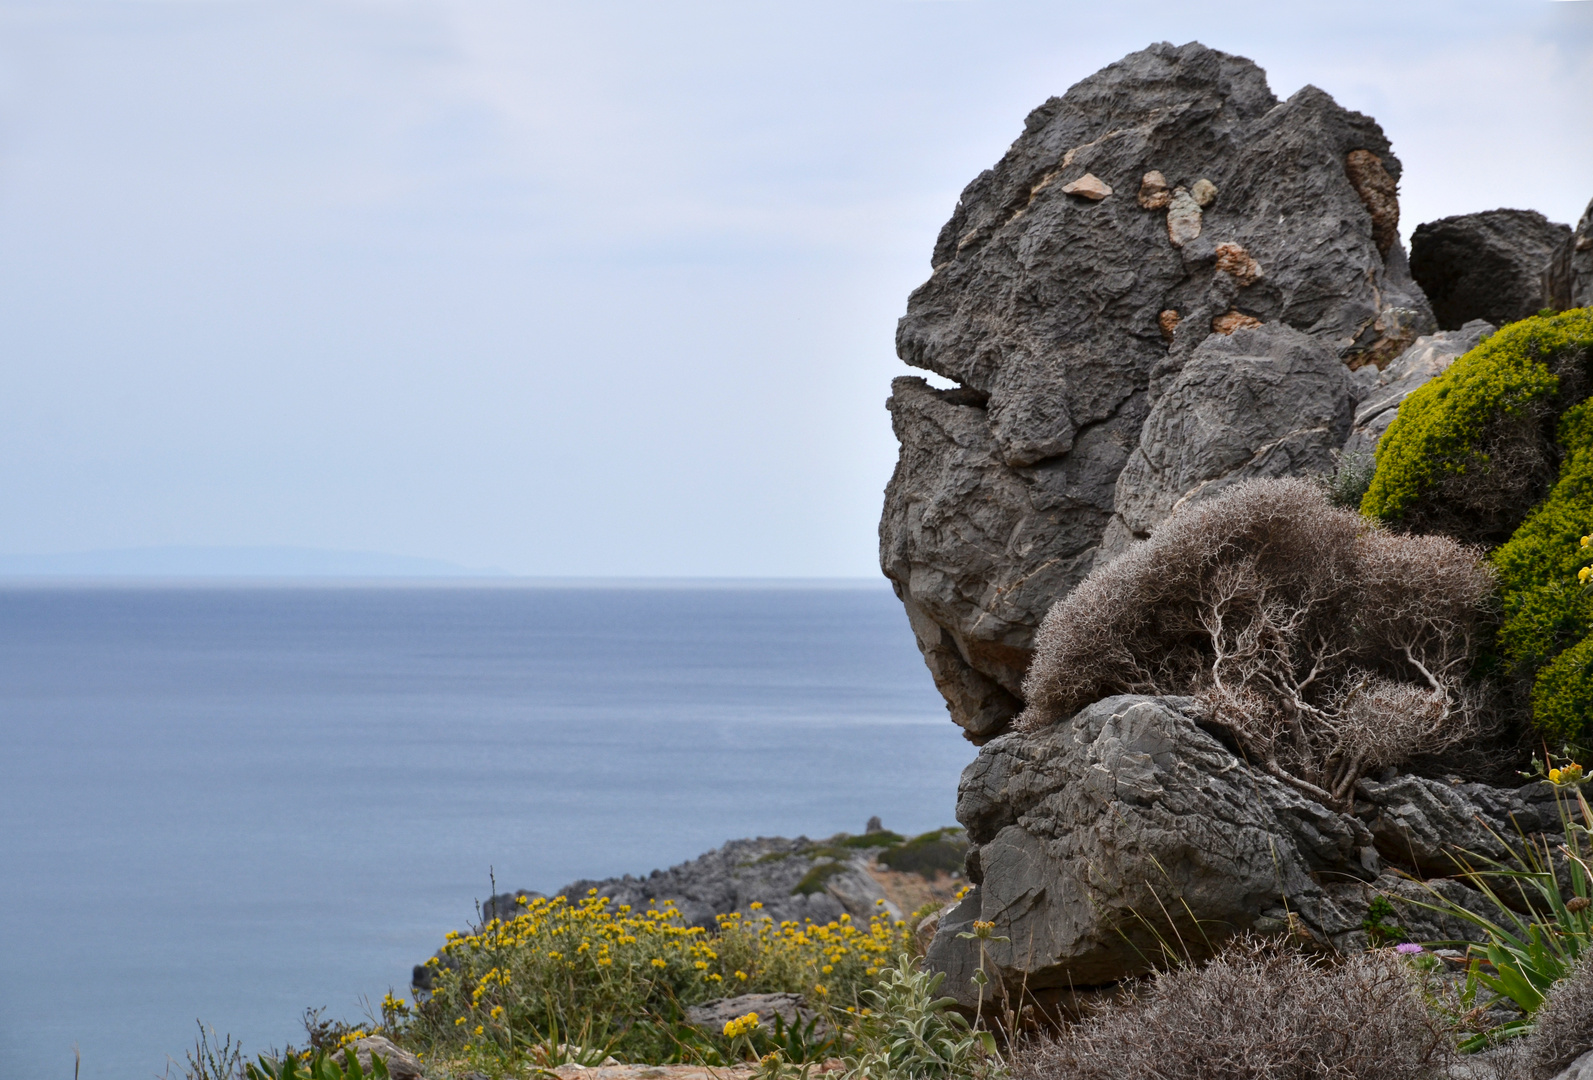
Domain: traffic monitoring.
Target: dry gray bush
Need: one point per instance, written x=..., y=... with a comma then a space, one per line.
x=1564, y=1030
x=1327, y=646
x=1256, y=1012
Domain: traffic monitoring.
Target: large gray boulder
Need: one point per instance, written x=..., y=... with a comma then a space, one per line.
x=1126, y=830
x=1433, y=828
x=1167, y=198
x=1387, y=389
x=1104, y=842
x=1264, y=401
x=1568, y=279
x=1485, y=266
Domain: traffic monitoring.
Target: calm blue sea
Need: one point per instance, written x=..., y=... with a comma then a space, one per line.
x=228, y=804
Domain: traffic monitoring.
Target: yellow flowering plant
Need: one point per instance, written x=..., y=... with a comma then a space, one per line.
x=626, y=977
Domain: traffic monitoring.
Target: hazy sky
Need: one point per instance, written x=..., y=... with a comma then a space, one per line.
x=581, y=288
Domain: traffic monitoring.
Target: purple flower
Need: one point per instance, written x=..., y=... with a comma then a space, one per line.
x=1409, y=949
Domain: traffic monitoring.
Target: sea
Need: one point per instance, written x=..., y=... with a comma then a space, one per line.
x=224, y=804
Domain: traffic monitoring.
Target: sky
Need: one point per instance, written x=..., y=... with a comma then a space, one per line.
x=581, y=289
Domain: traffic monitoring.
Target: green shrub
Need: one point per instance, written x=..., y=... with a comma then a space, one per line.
x=1547, y=618
x=941, y=851
x=620, y=979
x=1562, y=695
x=1464, y=448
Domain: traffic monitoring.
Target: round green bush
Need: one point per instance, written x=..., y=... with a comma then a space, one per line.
x=1442, y=429
x=1547, y=618
x=1442, y=432
x=1562, y=695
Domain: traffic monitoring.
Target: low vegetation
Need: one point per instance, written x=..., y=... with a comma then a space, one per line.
x=1258, y=1011
x=1325, y=645
x=1472, y=450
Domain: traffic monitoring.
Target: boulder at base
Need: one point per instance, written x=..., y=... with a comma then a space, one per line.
x=1127, y=833
x=1127, y=830
x=1065, y=309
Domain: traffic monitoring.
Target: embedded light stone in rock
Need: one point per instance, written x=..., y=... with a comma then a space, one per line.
x=1229, y=321
x=1153, y=192
x=1088, y=186
x=1235, y=261
x=1183, y=218
x=1047, y=311
x=1204, y=192
x=1379, y=192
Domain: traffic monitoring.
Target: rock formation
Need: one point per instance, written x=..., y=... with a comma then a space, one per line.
x=771, y=871
x=1485, y=266
x=1102, y=841
x=1568, y=280
x=1168, y=198
x=1263, y=401
x=1384, y=390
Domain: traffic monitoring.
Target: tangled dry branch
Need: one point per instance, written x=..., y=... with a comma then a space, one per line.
x=1327, y=646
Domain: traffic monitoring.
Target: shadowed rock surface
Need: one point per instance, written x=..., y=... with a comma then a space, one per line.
x=1428, y=357
x=1568, y=280
x=1485, y=266
x=1098, y=839
x=1064, y=318
x=1263, y=401
x=1092, y=832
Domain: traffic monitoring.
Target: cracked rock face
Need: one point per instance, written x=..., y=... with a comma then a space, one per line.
x=1064, y=311
x=1261, y=401
x=1383, y=392
x=1568, y=280
x=1128, y=822
x=1096, y=840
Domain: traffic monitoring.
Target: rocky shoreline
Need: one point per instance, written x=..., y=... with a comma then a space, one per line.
x=857, y=875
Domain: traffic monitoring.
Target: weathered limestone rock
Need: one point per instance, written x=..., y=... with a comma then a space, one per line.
x=714, y=1015
x=1485, y=266
x=766, y=870
x=1261, y=401
x=1128, y=822
x=1568, y=280
x=401, y=1064
x=1062, y=319
x=1430, y=825
x=1429, y=356
x=1129, y=825
x=1379, y=192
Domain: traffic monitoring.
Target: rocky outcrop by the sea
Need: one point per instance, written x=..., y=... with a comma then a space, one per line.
x=1065, y=310
x=862, y=875
x=1171, y=282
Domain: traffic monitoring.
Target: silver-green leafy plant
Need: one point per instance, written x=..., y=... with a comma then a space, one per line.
x=911, y=1034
